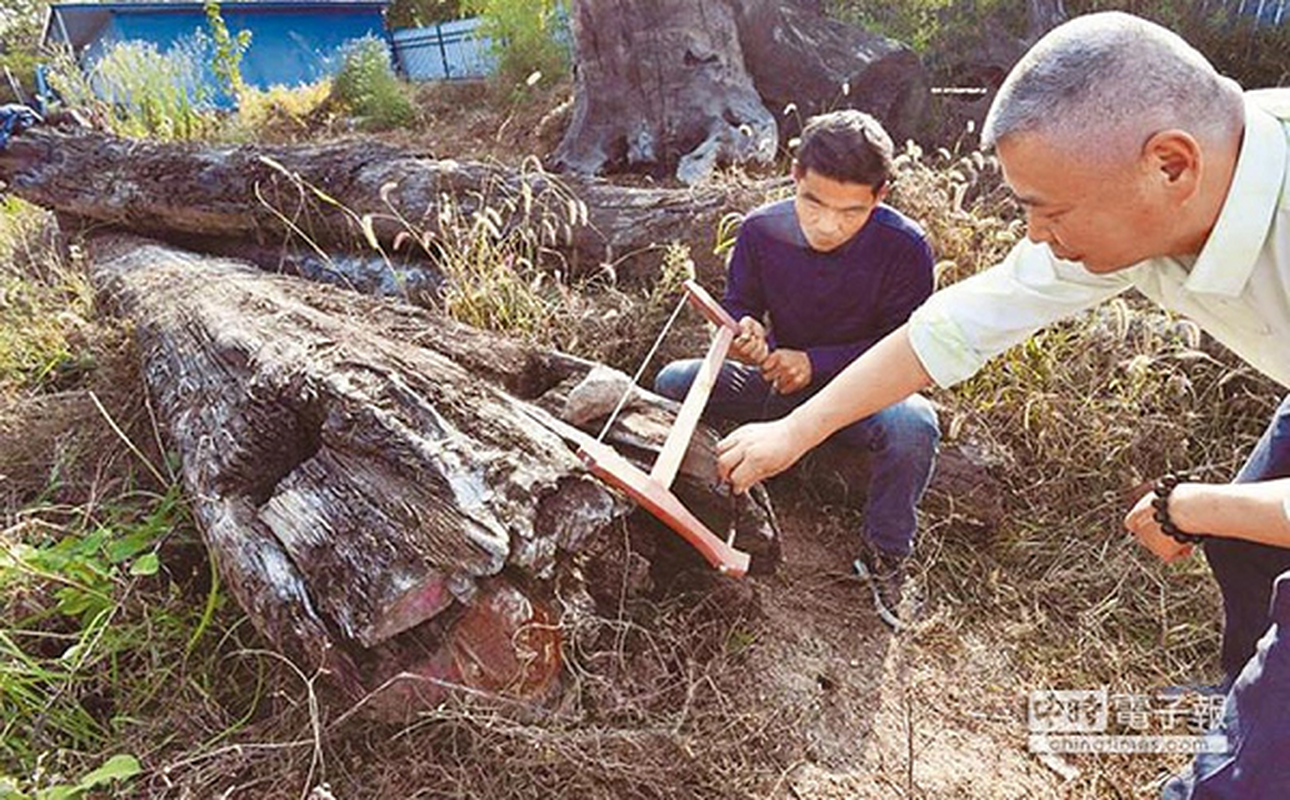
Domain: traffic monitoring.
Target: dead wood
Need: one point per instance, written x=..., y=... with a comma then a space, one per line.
x=678, y=87
x=365, y=474
x=348, y=196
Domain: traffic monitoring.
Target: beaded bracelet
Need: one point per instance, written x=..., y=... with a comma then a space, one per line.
x=1163, y=488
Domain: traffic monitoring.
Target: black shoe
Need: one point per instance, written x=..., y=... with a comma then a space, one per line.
x=886, y=576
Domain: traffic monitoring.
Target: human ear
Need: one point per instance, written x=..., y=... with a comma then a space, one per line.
x=1175, y=156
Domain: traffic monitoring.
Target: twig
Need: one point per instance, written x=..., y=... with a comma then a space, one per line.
x=156, y=473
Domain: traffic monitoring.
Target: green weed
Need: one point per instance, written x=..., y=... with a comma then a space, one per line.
x=367, y=86
x=116, y=768
x=228, y=50
x=523, y=35
x=90, y=619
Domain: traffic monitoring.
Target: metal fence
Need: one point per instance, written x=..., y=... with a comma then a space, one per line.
x=446, y=51
x=1268, y=12
x=456, y=50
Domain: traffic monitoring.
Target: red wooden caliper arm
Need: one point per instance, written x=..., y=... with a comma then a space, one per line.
x=653, y=491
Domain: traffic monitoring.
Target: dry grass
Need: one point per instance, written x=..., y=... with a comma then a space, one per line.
x=282, y=115
x=1082, y=416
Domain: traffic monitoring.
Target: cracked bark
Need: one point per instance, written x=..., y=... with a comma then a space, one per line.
x=364, y=475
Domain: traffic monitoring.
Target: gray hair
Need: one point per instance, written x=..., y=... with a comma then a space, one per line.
x=1104, y=83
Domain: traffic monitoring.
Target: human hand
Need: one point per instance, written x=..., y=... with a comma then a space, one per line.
x=786, y=370
x=757, y=451
x=750, y=345
x=1141, y=522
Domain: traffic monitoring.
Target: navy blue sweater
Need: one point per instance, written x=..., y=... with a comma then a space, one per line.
x=832, y=305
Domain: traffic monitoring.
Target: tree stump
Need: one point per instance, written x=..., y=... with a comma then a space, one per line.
x=661, y=88
x=678, y=88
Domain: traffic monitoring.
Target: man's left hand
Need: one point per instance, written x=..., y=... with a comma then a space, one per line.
x=1142, y=523
x=787, y=371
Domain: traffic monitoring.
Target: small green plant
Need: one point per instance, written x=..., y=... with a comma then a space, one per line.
x=367, y=86
x=116, y=768
x=84, y=628
x=229, y=49
x=523, y=35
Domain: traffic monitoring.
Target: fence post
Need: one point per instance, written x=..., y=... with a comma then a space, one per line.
x=443, y=52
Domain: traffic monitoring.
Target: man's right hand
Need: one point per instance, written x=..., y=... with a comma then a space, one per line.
x=750, y=345
x=757, y=451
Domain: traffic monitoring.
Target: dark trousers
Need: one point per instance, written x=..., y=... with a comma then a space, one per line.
x=1255, y=582
x=1245, y=571
x=902, y=440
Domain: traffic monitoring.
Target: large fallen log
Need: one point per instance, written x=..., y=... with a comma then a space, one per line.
x=366, y=476
x=364, y=471
x=349, y=196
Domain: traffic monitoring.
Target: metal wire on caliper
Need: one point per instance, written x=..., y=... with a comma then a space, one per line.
x=622, y=401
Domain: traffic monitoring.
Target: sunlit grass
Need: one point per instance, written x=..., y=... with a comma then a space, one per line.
x=44, y=305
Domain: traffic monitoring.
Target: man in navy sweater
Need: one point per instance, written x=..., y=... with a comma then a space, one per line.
x=815, y=281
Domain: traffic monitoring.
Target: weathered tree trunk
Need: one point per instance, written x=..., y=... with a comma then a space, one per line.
x=799, y=57
x=344, y=196
x=366, y=476
x=1044, y=16
x=661, y=88
x=677, y=87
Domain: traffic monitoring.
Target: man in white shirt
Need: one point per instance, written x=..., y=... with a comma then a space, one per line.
x=1138, y=166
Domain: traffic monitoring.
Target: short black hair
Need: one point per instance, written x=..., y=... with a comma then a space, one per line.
x=848, y=146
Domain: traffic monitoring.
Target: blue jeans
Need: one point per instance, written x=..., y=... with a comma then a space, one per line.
x=902, y=439
x=1255, y=583
x=1255, y=724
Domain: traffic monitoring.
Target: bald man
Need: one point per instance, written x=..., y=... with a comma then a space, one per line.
x=1139, y=166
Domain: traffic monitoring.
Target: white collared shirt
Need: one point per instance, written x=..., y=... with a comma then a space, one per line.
x=1238, y=290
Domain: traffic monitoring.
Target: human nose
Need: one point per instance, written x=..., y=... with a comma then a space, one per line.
x=1036, y=230
x=829, y=223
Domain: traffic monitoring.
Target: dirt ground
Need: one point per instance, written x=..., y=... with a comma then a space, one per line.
x=882, y=714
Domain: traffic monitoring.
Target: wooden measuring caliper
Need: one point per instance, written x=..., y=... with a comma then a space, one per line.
x=653, y=491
